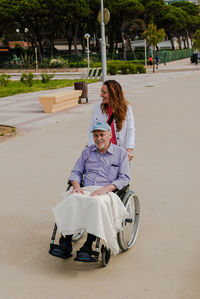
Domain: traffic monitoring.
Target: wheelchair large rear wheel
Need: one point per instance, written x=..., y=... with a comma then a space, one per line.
x=127, y=237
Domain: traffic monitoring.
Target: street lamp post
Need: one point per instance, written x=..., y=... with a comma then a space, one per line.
x=87, y=36
x=103, y=45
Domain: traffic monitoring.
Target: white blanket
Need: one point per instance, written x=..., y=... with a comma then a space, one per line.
x=101, y=216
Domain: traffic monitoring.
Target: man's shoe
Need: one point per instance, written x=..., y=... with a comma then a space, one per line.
x=66, y=244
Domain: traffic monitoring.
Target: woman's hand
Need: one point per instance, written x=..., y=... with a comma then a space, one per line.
x=130, y=153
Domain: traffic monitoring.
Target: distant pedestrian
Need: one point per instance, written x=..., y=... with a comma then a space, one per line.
x=150, y=60
x=157, y=59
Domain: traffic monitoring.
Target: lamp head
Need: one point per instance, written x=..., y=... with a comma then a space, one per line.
x=87, y=35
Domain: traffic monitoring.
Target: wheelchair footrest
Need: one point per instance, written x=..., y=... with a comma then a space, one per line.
x=56, y=250
x=87, y=256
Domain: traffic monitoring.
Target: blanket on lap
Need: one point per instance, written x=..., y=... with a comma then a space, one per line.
x=101, y=216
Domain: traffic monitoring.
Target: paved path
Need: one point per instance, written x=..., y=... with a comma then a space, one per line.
x=165, y=262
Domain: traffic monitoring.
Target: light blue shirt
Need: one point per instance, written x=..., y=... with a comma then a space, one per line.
x=98, y=169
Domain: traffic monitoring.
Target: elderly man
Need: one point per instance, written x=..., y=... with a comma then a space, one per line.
x=92, y=205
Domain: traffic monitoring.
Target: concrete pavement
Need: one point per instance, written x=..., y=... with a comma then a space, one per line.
x=164, y=263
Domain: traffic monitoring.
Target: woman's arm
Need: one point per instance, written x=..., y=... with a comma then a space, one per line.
x=130, y=130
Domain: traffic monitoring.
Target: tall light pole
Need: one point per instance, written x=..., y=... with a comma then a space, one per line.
x=103, y=45
x=87, y=36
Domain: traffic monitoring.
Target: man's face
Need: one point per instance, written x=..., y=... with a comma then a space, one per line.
x=102, y=140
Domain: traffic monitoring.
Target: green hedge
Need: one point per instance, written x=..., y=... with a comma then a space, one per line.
x=124, y=67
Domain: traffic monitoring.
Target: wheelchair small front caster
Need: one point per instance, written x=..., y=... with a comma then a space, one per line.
x=105, y=255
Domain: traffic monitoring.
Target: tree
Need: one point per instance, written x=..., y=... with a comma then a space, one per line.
x=73, y=13
x=153, y=36
x=153, y=10
x=190, y=20
x=121, y=12
x=27, y=14
x=172, y=21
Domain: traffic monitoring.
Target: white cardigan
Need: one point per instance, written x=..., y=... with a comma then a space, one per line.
x=125, y=137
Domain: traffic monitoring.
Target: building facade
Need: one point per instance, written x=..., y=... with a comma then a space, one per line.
x=192, y=1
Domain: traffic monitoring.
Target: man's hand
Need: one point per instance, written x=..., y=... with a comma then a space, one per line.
x=130, y=153
x=76, y=188
x=104, y=190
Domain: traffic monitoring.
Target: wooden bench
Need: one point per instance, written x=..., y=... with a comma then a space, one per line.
x=60, y=100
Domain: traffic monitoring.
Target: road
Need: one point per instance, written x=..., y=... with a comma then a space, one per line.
x=165, y=260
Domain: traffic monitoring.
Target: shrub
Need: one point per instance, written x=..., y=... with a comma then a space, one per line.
x=46, y=77
x=141, y=68
x=58, y=62
x=4, y=79
x=124, y=68
x=27, y=60
x=112, y=67
x=132, y=68
x=78, y=64
x=95, y=64
x=27, y=79
x=44, y=63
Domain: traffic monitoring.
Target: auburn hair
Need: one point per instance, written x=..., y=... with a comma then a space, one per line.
x=117, y=102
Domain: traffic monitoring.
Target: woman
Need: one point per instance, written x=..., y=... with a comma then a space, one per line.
x=118, y=113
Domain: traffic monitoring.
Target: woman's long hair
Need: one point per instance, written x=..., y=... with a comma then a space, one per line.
x=117, y=102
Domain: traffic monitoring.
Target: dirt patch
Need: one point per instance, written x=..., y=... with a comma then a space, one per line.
x=7, y=132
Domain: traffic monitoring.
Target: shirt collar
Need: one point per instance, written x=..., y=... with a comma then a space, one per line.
x=110, y=149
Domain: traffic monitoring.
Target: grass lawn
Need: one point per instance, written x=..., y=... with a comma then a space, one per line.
x=16, y=87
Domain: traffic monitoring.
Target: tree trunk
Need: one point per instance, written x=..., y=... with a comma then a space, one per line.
x=179, y=42
x=123, y=46
x=128, y=42
x=111, y=49
x=69, y=45
x=172, y=43
x=75, y=39
x=184, y=42
x=116, y=47
x=51, y=44
x=123, y=43
x=83, y=44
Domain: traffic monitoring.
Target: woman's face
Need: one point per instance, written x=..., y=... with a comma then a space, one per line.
x=105, y=94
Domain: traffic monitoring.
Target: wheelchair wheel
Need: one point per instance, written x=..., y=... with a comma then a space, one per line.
x=105, y=256
x=127, y=237
x=77, y=236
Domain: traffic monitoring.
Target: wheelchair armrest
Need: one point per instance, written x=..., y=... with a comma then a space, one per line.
x=121, y=191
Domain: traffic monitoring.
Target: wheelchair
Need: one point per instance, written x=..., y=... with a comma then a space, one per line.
x=126, y=238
